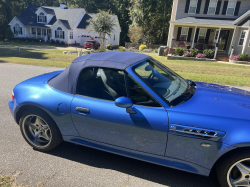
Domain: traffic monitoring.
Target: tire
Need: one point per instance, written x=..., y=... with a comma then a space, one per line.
x=39, y=130
x=231, y=167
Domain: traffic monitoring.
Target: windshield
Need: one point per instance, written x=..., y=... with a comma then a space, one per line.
x=167, y=84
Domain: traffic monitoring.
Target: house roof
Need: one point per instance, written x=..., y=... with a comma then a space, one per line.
x=68, y=16
x=83, y=24
x=205, y=20
x=245, y=23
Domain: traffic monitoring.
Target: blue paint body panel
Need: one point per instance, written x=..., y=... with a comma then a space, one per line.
x=146, y=135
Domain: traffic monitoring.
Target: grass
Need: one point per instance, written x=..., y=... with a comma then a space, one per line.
x=23, y=44
x=212, y=72
x=10, y=181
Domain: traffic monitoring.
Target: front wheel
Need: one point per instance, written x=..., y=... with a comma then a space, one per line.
x=39, y=130
x=234, y=171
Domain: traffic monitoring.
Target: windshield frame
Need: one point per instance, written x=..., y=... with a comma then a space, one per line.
x=164, y=68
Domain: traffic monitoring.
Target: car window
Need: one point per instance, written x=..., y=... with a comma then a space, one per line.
x=101, y=83
x=138, y=96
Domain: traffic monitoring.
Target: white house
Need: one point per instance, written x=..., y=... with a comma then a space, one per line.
x=59, y=23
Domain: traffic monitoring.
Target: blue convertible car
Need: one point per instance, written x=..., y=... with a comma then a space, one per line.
x=132, y=105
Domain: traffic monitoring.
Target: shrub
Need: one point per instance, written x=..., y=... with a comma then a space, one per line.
x=88, y=52
x=187, y=53
x=52, y=41
x=156, y=50
x=62, y=42
x=101, y=49
x=200, y=55
x=142, y=46
x=9, y=34
x=92, y=51
x=194, y=52
x=179, y=51
x=244, y=57
x=109, y=47
x=235, y=57
x=121, y=48
x=57, y=41
x=208, y=53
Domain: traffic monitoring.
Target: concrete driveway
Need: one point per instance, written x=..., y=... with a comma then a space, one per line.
x=69, y=164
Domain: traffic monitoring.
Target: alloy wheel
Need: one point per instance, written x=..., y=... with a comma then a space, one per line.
x=37, y=131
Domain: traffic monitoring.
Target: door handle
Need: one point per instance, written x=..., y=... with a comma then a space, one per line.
x=82, y=110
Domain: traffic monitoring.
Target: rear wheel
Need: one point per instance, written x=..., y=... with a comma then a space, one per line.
x=234, y=171
x=39, y=130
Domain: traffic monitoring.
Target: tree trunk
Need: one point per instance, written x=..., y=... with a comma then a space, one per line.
x=163, y=25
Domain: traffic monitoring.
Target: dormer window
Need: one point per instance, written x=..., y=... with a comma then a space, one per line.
x=42, y=18
x=212, y=6
x=192, y=6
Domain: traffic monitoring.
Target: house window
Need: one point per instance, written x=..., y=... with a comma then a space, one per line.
x=33, y=31
x=44, y=32
x=38, y=31
x=231, y=7
x=59, y=33
x=192, y=7
x=212, y=7
x=242, y=37
x=202, y=34
x=216, y=35
x=184, y=33
x=41, y=18
x=71, y=35
x=18, y=29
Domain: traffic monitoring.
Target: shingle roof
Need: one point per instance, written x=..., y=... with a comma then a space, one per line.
x=83, y=24
x=246, y=22
x=205, y=20
x=68, y=16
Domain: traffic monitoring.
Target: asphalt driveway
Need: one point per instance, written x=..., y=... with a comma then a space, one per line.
x=70, y=164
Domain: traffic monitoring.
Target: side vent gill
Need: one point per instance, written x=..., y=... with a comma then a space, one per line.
x=196, y=132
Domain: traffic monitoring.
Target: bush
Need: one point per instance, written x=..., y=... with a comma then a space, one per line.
x=208, y=53
x=9, y=34
x=179, y=51
x=88, y=52
x=194, y=52
x=142, y=46
x=101, y=49
x=200, y=55
x=121, y=48
x=52, y=41
x=187, y=53
x=244, y=57
x=156, y=50
x=109, y=47
x=57, y=41
x=92, y=51
x=62, y=42
x=235, y=57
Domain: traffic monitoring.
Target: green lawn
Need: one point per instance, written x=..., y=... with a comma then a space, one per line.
x=212, y=72
x=23, y=44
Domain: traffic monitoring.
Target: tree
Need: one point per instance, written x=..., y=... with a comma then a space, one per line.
x=9, y=34
x=135, y=34
x=103, y=24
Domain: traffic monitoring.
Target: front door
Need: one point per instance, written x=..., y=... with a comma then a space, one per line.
x=222, y=44
x=96, y=117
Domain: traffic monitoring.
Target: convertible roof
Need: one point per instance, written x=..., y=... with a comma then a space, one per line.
x=67, y=80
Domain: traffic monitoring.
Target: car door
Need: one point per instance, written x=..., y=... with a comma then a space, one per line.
x=96, y=117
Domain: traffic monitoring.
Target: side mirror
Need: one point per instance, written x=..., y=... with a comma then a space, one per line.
x=124, y=102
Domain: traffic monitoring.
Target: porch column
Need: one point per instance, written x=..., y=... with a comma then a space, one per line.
x=216, y=49
x=172, y=35
x=230, y=48
x=194, y=37
x=245, y=42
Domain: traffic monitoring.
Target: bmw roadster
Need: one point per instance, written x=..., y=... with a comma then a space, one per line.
x=132, y=105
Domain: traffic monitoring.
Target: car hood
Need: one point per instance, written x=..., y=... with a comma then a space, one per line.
x=217, y=100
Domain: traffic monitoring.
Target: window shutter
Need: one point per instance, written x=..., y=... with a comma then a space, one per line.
x=37, y=18
x=206, y=6
x=21, y=30
x=198, y=7
x=178, y=34
x=224, y=11
x=63, y=34
x=189, y=34
x=237, y=8
x=196, y=35
x=207, y=35
x=55, y=34
x=14, y=30
x=45, y=19
x=187, y=6
x=218, y=7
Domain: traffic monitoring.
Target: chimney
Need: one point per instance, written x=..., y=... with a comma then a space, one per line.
x=63, y=6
